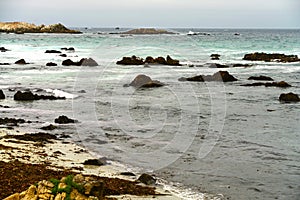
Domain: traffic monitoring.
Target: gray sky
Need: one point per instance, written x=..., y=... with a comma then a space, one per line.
x=156, y=13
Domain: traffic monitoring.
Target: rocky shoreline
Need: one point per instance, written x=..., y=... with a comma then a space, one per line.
x=23, y=27
x=33, y=165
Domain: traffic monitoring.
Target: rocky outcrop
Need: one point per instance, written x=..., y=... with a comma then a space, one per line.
x=133, y=60
x=143, y=81
x=23, y=27
x=281, y=84
x=271, y=57
x=147, y=31
x=29, y=96
x=2, y=95
x=64, y=120
x=223, y=76
x=260, y=78
x=95, y=162
x=21, y=62
x=51, y=64
x=289, y=97
x=82, y=62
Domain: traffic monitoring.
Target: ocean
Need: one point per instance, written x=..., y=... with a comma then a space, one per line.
x=218, y=138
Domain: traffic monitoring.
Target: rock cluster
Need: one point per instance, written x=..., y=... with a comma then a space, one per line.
x=271, y=57
x=143, y=81
x=133, y=60
x=144, y=31
x=83, y=62
x=281, y=84
x=223, y=76
x=29, y=96
x=23, y=27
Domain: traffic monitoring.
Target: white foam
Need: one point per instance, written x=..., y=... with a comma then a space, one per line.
x=60, y=93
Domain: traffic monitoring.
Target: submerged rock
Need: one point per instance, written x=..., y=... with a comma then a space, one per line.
x=260, y=78
x=95, y=162
x=68, y=49
x=143, y=81
x=216, y=65
x=223, y=76
x=241, y=65
x=88, y=62
x=144, y=31
x=215, y=56
x=29, y=96
x=133, y=60
x=64, y=120
x=3, y=49
x=49, y=127
x=289, y=97
x=281, y=84
x=271, y=57
x=2, y=95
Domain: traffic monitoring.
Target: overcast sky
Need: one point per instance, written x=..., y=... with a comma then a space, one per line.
x=156, y=13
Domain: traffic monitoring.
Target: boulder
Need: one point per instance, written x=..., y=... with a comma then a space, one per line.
x=260, y=78
x=3, y=49
x=52, y=51
x=24, y=96
x=161, y=60
x=21, y=62
x=147, y=179
x=150, y=60
x=289, y=97
x=143, y=81
x=171, y=61
x=63, y=55
x=50, y=127
x=95, y=162
x=282, y=84
x=271, y=57
x=2, y=95
x=69, y=62
x=88, y=62
x=68, y=49
x=133, y=60
x=64, y=120
x=51, y=64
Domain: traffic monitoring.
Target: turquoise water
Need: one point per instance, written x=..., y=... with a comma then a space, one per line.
x=219, y=138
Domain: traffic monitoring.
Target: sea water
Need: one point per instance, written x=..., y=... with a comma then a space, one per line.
x=216, y=138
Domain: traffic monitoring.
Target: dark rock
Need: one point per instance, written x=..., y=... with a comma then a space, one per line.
x=21, y=62
x=36, y=137
x=145, y=82
x=63, y=55
x=271, y=57
x=241, y=65
x=88, y=62
x=95, y=162
x=289, y=97
x=127, y=174
x=52, y=51
x=64, y=120
x=216, y=65
x=4, y=64
x=67, y=49
x=3, y=49
x=51, y=64
x=218, y=76
x=49, y=128
x=147, y=179
x=147, y=31
x=2, y=95
x=282, y=84
x=260, y=78
x=133, y=60
x=69, y=62
x=12, y=121
x=161, y=60
x=173, y=62
x=150, y=60
x=215, y=56
x=24, y=96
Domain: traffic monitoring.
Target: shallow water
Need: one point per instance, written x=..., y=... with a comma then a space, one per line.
x=210, y=137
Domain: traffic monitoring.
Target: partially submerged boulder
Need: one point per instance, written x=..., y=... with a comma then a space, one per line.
x=260, y=78
x=52, y=51
x=271, y=57
x=223, y=76
x=29, y=96
x=147, y=179
x=64, y=120
x=143, y=81
x=289, y=97
x=216, y=65
x=215, y=56
x=281, y=84
x=134, y=60
x=21, y=62
x=3, y=49
x=51, y=64
x=2, y=95
x=82, y=62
